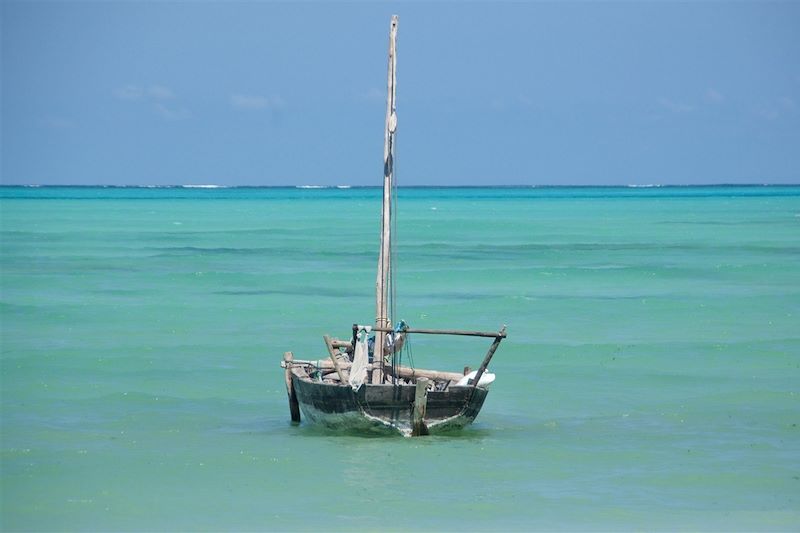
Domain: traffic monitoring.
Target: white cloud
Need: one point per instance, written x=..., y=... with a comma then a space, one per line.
x=170, y=113
x=714, y=96
x=777, y=109
x=129, y=92
x=159, y=92
x=155, y=96
x=768, y=113
x=256, y=103
x=675, y=107
x=242, y=101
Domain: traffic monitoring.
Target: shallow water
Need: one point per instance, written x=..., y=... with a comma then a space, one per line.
x=649, y=380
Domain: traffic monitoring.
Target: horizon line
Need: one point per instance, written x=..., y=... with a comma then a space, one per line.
x=346, y=187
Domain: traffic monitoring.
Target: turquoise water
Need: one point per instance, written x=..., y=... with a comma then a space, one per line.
x=650, y=380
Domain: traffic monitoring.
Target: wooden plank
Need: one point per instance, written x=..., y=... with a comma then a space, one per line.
x=402, y=371
x=294, y=406
x=413, y=373
x=347, y=345
x=318, y=363
x=420, y=406
x=332, y=355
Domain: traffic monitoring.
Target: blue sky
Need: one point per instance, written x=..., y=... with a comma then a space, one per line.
x=278, y=93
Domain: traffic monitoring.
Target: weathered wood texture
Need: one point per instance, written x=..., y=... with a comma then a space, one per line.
x=347, y=345
x=332, y=354
x=415, y=373
x=384, y=274
x=400, y=371
x=387, y=402
x=294, y=407
x=420, y=407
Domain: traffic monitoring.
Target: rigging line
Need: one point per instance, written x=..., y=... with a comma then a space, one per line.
x=410, y=353
x=393, y=240
x=393, y=207
x=393, y=253
x=395, y=246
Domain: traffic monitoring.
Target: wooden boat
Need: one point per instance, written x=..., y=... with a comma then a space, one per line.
x=356, y=388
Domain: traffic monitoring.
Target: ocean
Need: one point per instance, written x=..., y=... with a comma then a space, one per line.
x=650, y=379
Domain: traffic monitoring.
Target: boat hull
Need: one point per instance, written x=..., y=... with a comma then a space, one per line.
x=385, y=407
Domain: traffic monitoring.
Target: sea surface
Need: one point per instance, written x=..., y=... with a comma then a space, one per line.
x=650, y=379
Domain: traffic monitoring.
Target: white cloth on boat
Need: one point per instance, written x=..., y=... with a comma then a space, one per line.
x=486, y=379
x=358, y=372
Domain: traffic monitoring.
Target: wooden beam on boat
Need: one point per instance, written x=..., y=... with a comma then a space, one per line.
x=400, y=371
x=294, y=405
x=347, y=345
x=420, y=407
x=416, y=373
x=488, y=357
x=324, y=364
x=332, y=354
x=491, y=334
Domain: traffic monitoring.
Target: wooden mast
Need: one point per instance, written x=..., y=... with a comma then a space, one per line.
x=382, y=320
